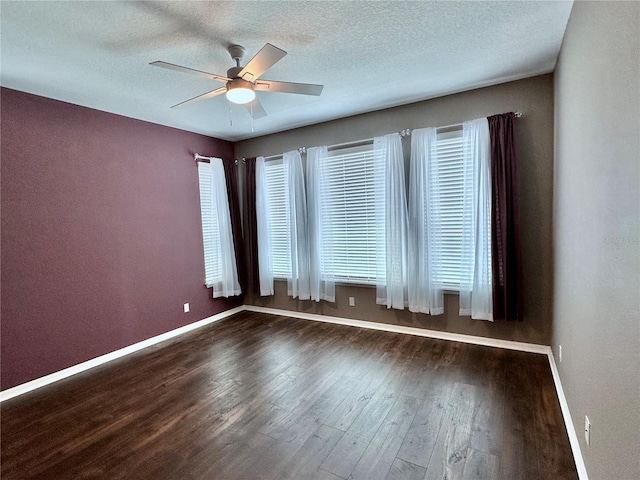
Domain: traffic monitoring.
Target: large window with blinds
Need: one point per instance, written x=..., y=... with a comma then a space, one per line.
x=351, y=197
x=278, y=203
x=446, y=201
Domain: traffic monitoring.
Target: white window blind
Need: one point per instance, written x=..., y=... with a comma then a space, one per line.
x=209, y=211
x=446, y=178
x=278, y=201
x=352, y=215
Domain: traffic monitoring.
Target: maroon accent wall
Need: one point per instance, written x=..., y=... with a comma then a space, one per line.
x=101, y=236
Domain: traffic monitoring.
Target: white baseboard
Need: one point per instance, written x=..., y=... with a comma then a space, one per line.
x=456, y=337
x=102, y=359
x=566, y=414
x=420, y=332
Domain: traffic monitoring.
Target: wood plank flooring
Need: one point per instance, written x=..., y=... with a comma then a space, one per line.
x=266, y=397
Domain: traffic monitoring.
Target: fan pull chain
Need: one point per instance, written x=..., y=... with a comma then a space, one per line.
x=230, y=115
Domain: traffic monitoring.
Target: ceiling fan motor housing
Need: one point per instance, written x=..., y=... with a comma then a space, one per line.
x=233, y=72
x=238, y=82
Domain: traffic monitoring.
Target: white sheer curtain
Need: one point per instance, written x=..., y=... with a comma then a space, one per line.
x=475, y=275
x=225, y=279
x=298, y=283
x=265, y=267
x=425, y=294
x=322, y=285
x=391, y=284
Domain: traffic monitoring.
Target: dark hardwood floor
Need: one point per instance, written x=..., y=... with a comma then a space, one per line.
x=260, y=396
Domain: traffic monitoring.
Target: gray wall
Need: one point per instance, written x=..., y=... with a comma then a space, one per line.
x=534, y=98
x=596, y=310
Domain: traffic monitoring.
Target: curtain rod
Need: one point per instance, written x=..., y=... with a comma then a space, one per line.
x=517, y=115
x=403, y=133
x=197, y=157
x=301, y=150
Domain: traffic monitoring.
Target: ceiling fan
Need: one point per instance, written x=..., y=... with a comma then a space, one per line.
x=241, y=83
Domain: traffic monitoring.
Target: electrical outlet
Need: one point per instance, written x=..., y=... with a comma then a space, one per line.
x=352, y=301
x=560, y=353
x=186, y=308
x=587, y=430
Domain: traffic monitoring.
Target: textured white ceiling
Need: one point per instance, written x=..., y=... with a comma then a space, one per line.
x=369, y=55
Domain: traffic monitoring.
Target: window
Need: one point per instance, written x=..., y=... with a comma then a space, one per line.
x=447, y=197
x=278, y=202
x=351, y=198
x=446, y=191
x=209, y=211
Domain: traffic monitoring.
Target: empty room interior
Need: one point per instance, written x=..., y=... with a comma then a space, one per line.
x=320, y=240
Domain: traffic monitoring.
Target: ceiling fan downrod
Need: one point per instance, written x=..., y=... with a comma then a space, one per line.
x=237, y=53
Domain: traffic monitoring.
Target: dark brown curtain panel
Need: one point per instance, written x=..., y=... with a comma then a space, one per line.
x=231, y=177
x=505, y=222
x=252, y=226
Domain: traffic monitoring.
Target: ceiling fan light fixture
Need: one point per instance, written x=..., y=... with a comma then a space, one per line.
x=240, y=91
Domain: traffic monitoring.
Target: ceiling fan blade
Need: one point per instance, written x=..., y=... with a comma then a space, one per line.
x=199, y=98
x=178, y=68
x=255, y=109
x=288, y=87
x=266, y=58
